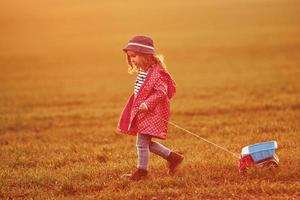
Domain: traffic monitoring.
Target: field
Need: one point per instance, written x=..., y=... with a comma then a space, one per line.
x=64, y=82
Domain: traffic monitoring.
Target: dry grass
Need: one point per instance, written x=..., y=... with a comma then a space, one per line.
x=64, y=83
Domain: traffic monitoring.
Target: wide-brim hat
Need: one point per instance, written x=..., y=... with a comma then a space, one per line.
x=140, y=44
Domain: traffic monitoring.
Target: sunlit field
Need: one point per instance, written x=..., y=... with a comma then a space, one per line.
x=64, y=82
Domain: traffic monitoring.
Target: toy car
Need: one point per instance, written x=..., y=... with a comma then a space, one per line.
x=260, y=154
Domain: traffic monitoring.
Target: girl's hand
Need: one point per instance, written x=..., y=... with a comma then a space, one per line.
x=143, y=107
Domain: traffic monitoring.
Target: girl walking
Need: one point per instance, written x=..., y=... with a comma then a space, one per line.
x=147, y=111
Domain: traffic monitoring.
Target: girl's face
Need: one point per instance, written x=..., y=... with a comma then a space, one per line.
x=135, y=59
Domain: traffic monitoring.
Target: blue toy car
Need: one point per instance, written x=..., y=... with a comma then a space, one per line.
x=260, y=154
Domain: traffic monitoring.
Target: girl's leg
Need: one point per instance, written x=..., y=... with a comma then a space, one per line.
x=159, y=149
x=142, y=144
x=174, y=159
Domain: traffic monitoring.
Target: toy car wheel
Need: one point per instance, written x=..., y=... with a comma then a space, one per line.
x=272, y=164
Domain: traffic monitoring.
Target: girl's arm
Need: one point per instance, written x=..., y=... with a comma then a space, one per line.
x=160, y=93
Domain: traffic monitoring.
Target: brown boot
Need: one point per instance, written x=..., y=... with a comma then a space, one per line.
x=138, y=174
x=174, y=160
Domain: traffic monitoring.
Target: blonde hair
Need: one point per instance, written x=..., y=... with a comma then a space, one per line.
x=148, y=60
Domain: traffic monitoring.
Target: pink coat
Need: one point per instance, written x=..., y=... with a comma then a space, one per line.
x=156, y=91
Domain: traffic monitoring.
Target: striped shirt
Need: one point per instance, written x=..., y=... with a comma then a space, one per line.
x=139, y=81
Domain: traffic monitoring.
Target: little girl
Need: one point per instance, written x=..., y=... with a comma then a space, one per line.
x=147, y=111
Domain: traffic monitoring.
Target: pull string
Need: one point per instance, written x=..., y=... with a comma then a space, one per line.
x=197, y=136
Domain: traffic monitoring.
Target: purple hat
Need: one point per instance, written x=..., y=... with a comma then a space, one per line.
x=140, y=44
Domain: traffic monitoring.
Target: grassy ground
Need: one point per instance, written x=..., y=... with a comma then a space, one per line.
x=64, y=83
